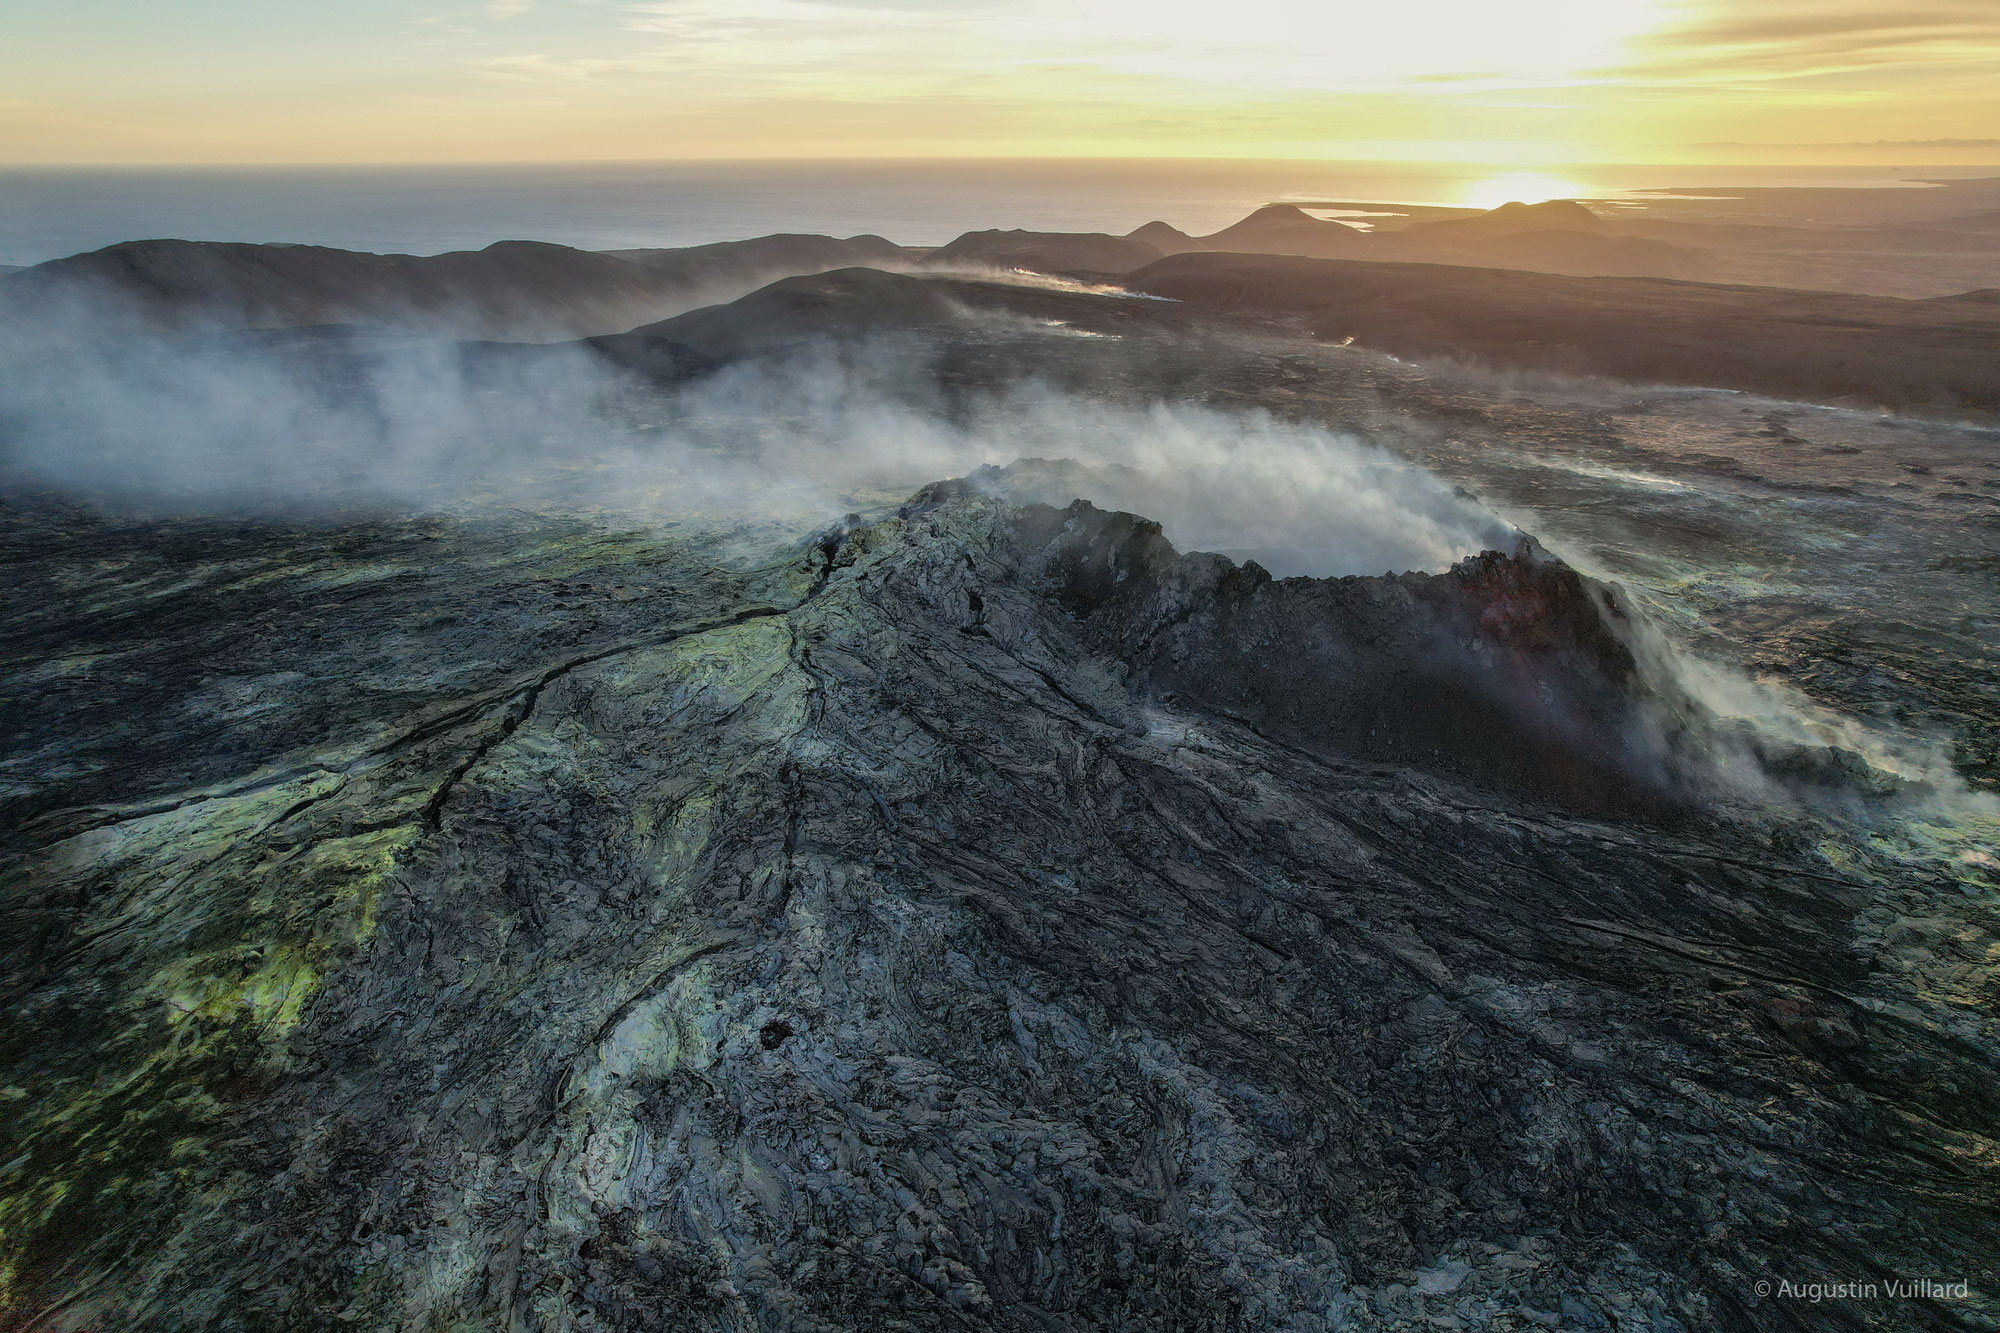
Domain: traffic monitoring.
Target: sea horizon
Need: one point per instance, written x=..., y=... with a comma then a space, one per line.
x=48, y=211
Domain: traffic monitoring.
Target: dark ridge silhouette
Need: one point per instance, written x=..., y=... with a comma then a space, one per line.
x=803, y=251
x=1561, y=236
x=858, y=303
x=1045, y=252
x=1821, y=346
x=511, y=289
x=1277, y=229
x=847, y=303
x=1167, y=239
x=1506, y=220
x=1284, y=229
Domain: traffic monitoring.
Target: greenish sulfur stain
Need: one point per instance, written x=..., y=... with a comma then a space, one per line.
x=137, y=1084
x=211, y=938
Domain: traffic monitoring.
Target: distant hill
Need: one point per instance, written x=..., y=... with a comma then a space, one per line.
x=1282, y=229
x=1509, y=219
x=1044, y=252
x=850, y=304
x=1168, y=240
x=512, y=289
x=1577, y=253
x=846, y=303
x=746, y=260
x=1817, y=346
x=1275, y=229
x=1560, y=236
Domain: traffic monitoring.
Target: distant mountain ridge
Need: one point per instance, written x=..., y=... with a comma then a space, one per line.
x=856, y=304
x=1560, y=236
x=847, y=303
x=1933, y=354
x=534, y=291
x=1045, y=252
x=511, y=289
x=1512, y=218
x=1937, y=353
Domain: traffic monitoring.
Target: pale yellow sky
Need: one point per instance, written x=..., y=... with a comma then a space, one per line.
x=1543, y=81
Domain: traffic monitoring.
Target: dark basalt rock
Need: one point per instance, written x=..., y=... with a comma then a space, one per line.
x=785, y=957
x=1506, y=670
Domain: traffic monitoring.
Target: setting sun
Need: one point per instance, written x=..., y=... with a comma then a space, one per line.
x=1521, y=187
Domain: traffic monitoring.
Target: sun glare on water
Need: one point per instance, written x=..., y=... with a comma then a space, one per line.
x=1524, y=187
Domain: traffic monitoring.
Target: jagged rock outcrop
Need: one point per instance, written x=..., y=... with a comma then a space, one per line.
x=867, y=940
x=1506, y=670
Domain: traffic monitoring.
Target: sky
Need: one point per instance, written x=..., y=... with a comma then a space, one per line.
x=1545, y=81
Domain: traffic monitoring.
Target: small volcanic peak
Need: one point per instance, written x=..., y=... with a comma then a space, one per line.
x=1555, y=215
x=1279, y=215
x=1167, y=239
x=1289, y=229
x=1560, y=236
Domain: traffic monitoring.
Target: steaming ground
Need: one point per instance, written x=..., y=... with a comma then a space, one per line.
x=249, y=426
x=1819, y=575
x=1773, y=543
x=544, y=834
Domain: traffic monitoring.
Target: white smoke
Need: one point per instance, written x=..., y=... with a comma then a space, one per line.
x=1029, y=278
x=344, y=422
x=247, y=422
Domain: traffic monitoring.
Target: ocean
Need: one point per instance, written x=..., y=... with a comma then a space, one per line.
x=49, y=212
